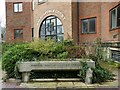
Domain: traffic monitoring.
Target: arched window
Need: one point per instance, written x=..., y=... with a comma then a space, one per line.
x=52, y=27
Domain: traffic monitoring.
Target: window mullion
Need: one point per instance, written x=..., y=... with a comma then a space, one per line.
x=18, y=7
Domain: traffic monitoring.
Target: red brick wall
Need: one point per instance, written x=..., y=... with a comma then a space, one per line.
x=72, y=22
x=63, y=8
x=89, y=10
x=21, y=20
x=75, y=22
x=100, y=10
x=106, y=34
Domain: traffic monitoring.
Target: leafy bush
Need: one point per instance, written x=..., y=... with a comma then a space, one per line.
x=99, y=74
x=76, y=51
x=49, y=49
x=14, y=54
x=6, y=46
x=37, y=50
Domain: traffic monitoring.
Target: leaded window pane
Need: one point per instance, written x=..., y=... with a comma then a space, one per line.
x=59, y=22
x=52, y=28
x=59, y=29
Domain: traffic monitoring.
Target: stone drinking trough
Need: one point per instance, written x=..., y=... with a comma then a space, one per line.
x=26, y=67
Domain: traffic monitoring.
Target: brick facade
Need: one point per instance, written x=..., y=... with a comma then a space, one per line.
x=70, y=14
x=19, y=20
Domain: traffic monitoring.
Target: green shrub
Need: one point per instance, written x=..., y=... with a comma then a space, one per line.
x=76, y=51
x=38, y=50
x=49, y=49
x=6, y=46
x=99, y=74
x=14, y=54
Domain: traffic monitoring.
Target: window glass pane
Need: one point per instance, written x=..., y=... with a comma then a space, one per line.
x=118, y=17
x=47, y=31
x=54, y=37
x=84, y=26
x=47, y=23
x=58, y=22
x=59, y=29
x=113, y=18
x=54, y=31
x=51, y=26
x=92, y=25
x=53, y=21
x=20, y=7
x=51, y=17
x=42, y=36
x=60, y=38
x=15, y=7
x=18, y=34
x=43, y=29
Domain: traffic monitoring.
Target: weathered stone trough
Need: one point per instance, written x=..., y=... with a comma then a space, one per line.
x=27, y=67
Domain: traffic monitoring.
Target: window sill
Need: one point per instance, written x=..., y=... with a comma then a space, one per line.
x=89, y=33
x=17, y=12
x=114, y=28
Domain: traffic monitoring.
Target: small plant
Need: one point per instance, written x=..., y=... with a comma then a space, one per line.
x=83, y=70
x=99, y=74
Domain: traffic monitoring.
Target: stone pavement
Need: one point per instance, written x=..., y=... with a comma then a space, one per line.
x=66, y=85
x=57, y=85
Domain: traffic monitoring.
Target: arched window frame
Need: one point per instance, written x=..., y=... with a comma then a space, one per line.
x=52, y=27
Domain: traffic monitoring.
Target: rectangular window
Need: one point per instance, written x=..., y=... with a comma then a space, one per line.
x=115, y=17
x=18, y=33
x=88, y=25
x=17, y=7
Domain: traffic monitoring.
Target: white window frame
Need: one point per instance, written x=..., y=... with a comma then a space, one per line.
x=116, y=19
x=18, y=7
x=41, y=1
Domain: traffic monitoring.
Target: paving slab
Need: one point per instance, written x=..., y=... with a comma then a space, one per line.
x=39, y=85
x=80, y=85
x=65, y=84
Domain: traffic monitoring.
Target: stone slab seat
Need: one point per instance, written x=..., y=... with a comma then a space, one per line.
x=27, y=67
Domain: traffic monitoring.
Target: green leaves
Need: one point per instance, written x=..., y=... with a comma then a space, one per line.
x=15, y=54
x=99, y=74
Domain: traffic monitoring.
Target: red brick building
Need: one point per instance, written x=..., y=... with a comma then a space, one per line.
x=19, y=21
x=80, y=21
